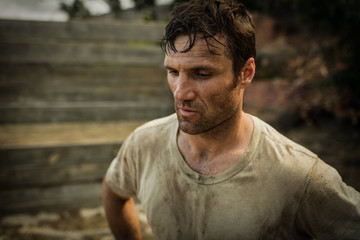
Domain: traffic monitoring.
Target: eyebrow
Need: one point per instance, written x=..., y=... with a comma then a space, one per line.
x=168, y=67
x=196, y=68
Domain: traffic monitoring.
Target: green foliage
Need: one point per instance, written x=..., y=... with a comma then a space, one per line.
x=115, y=7
x=75, y=10
x=141, y=4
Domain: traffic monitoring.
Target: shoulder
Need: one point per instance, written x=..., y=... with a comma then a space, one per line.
x=157, y=124
x=276, y=143
x=291, y=162
x=157, y=130
x=329, y=209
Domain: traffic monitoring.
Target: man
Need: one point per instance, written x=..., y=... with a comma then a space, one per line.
x=212, y=171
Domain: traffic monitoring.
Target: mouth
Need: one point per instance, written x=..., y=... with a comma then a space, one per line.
x=186, y=111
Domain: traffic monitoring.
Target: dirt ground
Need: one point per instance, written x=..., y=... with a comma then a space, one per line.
x=76, y=224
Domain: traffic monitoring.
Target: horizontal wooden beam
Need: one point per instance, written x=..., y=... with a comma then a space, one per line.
x=44, y=166
x=50, y=198
x=80, y=31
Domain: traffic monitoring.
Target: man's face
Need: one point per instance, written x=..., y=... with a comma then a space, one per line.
x=202, y=84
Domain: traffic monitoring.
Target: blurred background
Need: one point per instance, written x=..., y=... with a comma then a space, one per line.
x=77, y=76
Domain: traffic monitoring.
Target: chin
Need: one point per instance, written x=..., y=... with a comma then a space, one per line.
x=188, y=127
x=192, y=128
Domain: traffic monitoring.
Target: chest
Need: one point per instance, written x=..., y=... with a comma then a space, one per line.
x=243, y=207
x=212, y=166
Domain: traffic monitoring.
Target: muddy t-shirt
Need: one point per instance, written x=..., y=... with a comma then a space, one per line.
x=276, y=190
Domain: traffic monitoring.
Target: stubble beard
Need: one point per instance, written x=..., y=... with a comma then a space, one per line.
x=213, y=120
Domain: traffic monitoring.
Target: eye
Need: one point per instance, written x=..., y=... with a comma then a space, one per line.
x=173, y=73
x=203, y=75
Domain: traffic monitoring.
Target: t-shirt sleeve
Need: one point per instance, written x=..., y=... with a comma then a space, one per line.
x=121, y=175
x=330, y=209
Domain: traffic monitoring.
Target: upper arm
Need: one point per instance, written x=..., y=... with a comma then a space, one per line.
x=330, y=209
x=121, y=215
x=121, y=176
x=109, y=194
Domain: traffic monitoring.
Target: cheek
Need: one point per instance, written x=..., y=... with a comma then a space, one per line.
x=218, y=101
x=225, y=99
x=171, y=85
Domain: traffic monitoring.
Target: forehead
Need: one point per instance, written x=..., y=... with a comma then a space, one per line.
x=210, y=52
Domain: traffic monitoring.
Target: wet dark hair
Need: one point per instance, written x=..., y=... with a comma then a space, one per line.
x=211, y=19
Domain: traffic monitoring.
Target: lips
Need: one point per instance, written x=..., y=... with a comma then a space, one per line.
x=185, y=111
x=185, y=115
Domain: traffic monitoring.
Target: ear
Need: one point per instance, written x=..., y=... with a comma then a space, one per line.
x=247, y=73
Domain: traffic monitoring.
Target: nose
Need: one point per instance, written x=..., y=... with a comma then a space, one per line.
x=183, y=89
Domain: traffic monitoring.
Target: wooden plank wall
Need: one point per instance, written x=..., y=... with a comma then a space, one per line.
x=52, y=72
x=53, y=177
x=54, y=165
x=81, y=71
